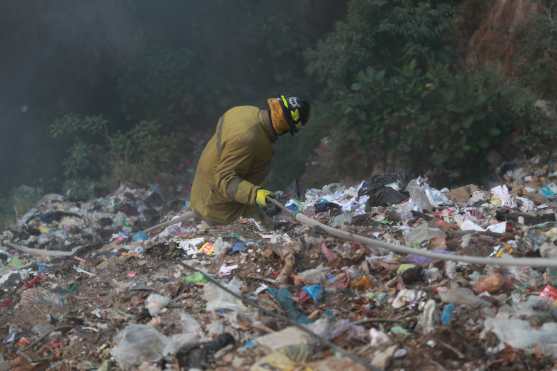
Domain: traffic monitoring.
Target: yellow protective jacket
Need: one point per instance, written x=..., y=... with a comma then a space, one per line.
x=233, y=165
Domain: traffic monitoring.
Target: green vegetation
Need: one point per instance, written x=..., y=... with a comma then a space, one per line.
x=99, y=160
x=392, y=74
x=17, y=203
x=537, y=51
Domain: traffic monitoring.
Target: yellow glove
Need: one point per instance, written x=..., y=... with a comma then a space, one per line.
x=261, y=197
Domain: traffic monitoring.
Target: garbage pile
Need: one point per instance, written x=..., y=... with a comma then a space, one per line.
x=57, y=224
x=149, y=301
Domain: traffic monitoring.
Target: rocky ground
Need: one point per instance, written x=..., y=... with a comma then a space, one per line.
x=119, y=298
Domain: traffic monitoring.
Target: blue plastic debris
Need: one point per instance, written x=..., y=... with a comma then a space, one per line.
x=238, y=247
x=548, y=192
x=447, y=315
x=42, y=267
x=140, y=236
x=294, y=206
x=315, y=292
x=284, y=298
x=249, y=344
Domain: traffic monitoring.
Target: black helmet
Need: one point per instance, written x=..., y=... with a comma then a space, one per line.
x=296, y=110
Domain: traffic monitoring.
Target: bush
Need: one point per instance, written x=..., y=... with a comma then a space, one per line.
x=536, y=56
x=142, y=153
x=99, y=160
x=391, y=72
x=15, y=204
x=86, y=137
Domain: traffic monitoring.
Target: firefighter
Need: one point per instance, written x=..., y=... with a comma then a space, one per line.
x=237, y=158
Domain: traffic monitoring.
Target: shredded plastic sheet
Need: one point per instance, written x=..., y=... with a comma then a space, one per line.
x=468, y=225
x=347, y=199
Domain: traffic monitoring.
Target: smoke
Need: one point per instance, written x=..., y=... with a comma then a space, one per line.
x=58, y=56
x=68, y=56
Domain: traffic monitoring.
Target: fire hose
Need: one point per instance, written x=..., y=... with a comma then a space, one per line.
x=401, y=249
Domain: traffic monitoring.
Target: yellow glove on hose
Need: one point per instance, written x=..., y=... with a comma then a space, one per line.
x=261, y=197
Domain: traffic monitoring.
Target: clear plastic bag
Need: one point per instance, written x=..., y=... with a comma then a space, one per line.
x=218, y=299
x=137, y=344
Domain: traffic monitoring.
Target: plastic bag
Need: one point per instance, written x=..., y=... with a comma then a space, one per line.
x=423, y=197
x=155, y=303
x=137, y=344
x=520, y=334
x=191, y=333
x=218, y=299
